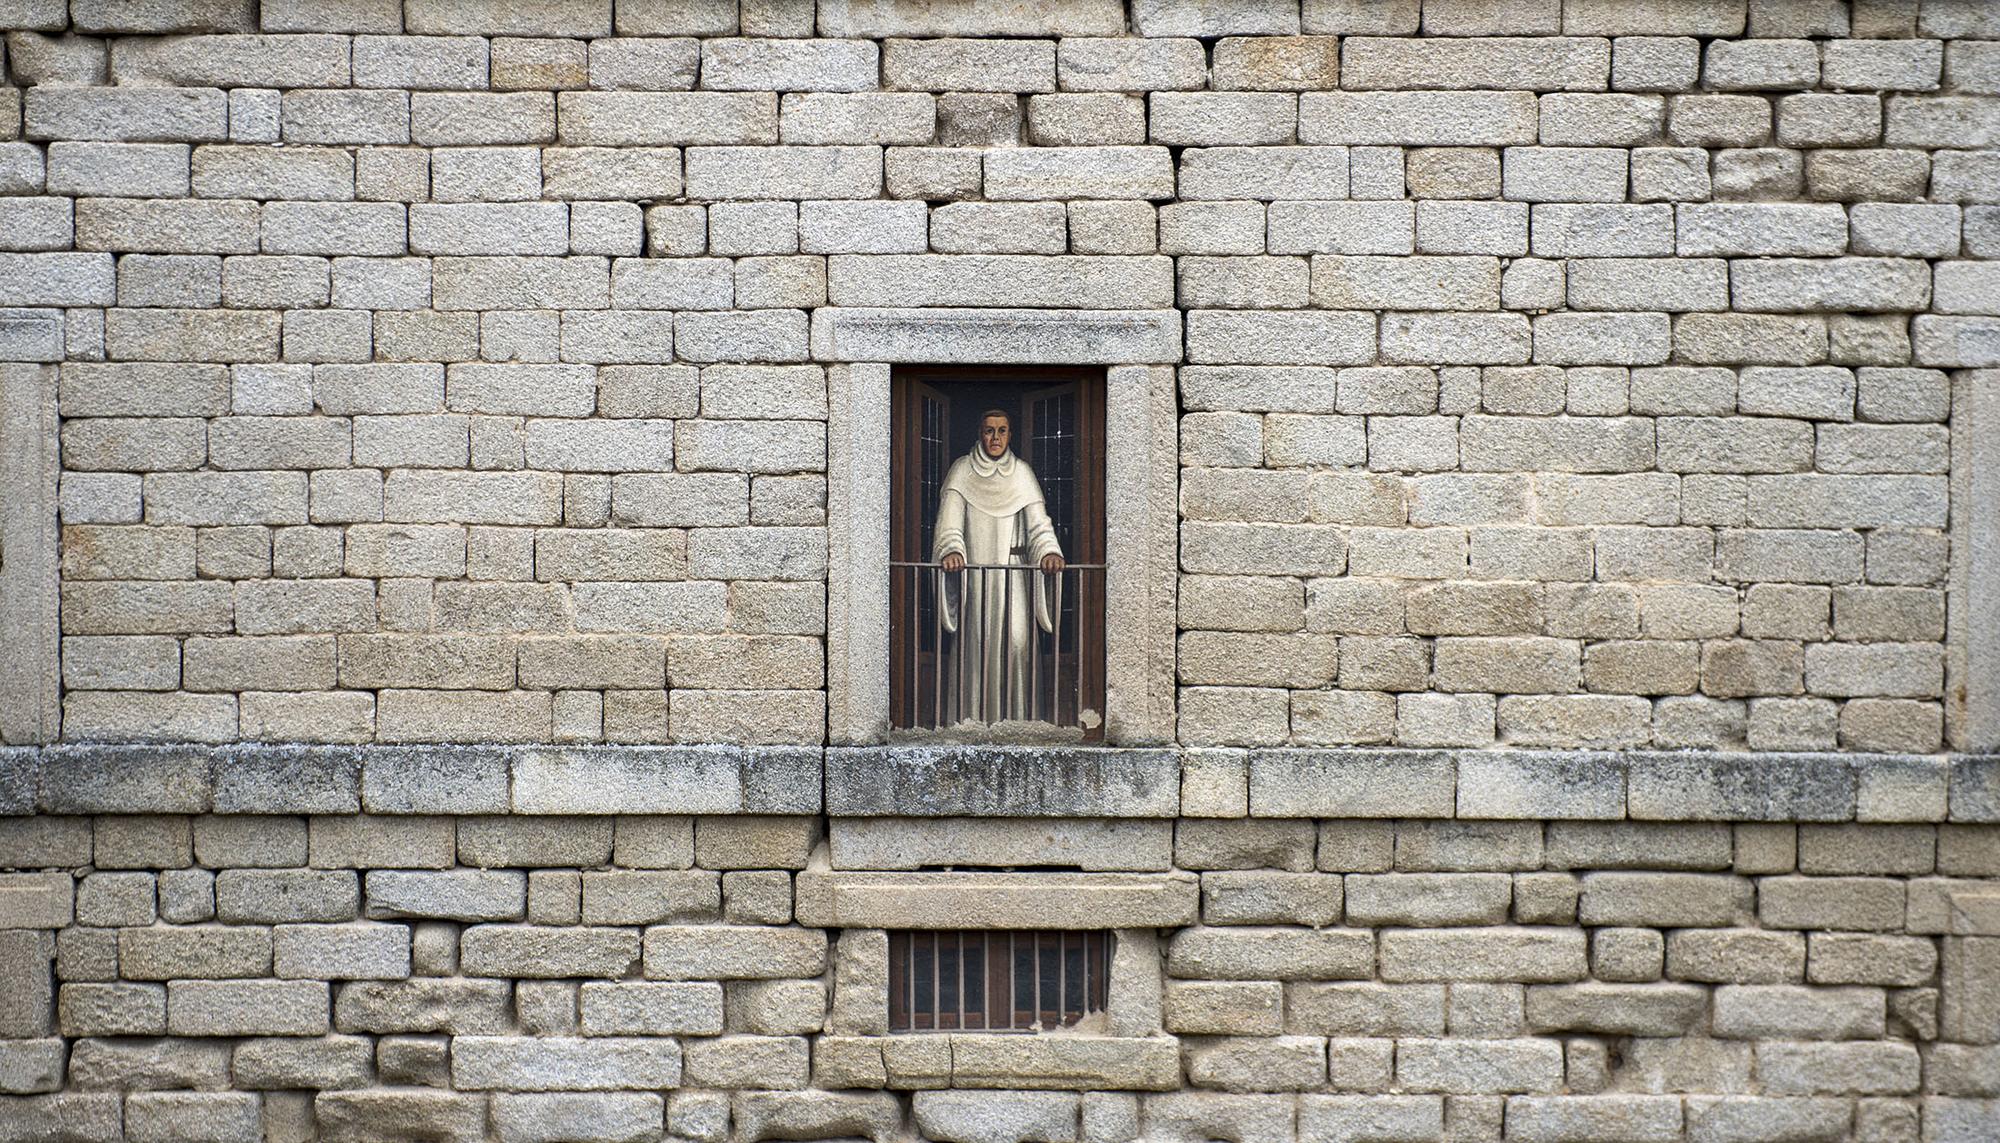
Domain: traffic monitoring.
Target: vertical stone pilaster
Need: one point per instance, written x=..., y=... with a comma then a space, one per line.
x=1142, y=489
x=30, y=699
x=857, y=595
x=1972, y=641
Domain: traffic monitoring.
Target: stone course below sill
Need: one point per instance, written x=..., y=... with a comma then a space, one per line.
x=1000, y=781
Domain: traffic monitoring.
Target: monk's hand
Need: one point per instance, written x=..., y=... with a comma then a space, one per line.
x=1052, y=564
x=953, y=562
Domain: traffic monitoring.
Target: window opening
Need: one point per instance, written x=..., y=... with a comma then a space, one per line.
x=1004, y=638
x=996, y=981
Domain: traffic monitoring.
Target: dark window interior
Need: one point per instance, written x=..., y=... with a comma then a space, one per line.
x=1003, y=981
x=1058, y=419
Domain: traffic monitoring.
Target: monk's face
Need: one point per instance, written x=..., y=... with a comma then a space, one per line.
x=994, y=433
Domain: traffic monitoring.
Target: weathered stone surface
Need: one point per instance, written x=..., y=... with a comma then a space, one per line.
x=995, y=335
x=1684, y=788
x=1289, y=783
x=946, y=781
x=662, y=780
x=994, y=900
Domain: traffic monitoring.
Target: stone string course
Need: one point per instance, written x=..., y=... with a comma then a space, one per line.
x=1553, y=373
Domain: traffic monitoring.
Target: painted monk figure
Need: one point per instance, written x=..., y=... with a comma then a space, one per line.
x=991, y=512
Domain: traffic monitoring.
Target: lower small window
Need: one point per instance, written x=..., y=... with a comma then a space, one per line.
x=980, y=981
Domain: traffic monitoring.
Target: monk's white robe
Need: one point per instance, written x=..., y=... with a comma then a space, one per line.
x=992, y=512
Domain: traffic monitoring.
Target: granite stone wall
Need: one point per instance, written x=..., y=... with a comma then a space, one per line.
x=687, y=944
x=1554, y=512
x=1555, y=374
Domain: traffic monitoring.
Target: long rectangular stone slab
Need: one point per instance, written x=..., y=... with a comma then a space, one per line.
x=288, y=780
x=1012, y=781
x=1517, y=785
x=30, y=706
x=127, y=779
x=1352, y=784
x=435, y=780
x=1026, y=336
x=640, y=780
x=1740, y=787
x=996, y=900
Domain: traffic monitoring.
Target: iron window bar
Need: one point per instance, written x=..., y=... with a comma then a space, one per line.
x=1052, y=698
x=996, y=981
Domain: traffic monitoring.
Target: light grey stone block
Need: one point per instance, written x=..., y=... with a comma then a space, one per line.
x=1693, y=787
x=28, y=579
x=674, y=780
x=1423, y=119
x=997, y=335
x=443, y=779
x=1351, y=784
x=1549, y=786
x=564, y=1064
x=1009, y=781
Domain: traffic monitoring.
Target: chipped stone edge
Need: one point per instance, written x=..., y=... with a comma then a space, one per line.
x=1972, y=628
x=30, y=703
x=857, y=596
x=1522, y=785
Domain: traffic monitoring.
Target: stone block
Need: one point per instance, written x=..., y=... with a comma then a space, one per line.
x=913, y=843
x=1745, y=1011
x=453, y=1005
x=1540, y=786
x=87, y=1009
x=1555, y=1117
x=1271, y=954
x=341, y=952
x=993, y=900
x=1428, y=899
x=1067, y=1062
x=1326, y=1118
x=1480, y=1066
x=1405, y=118
x=1736, y=956
x=651, y=1009
x=946, y=781
x=543, y=1117
x=1297, y=783
x=563, y=1064
x=463, y=895
x=548, y=952
x=1664, y=900
x=1774, y=788
x=732, y=953
x=247, y=1008
x=1529, y=955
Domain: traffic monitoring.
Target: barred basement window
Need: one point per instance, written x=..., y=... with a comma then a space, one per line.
x=979, y=981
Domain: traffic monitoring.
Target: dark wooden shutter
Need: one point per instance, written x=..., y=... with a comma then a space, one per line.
x=919, y=426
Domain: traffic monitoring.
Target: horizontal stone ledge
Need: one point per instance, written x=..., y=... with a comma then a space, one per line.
x=529, y=780
x=1003, y=781
x=996, y=900
x=993, y=336
x=999, y=781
